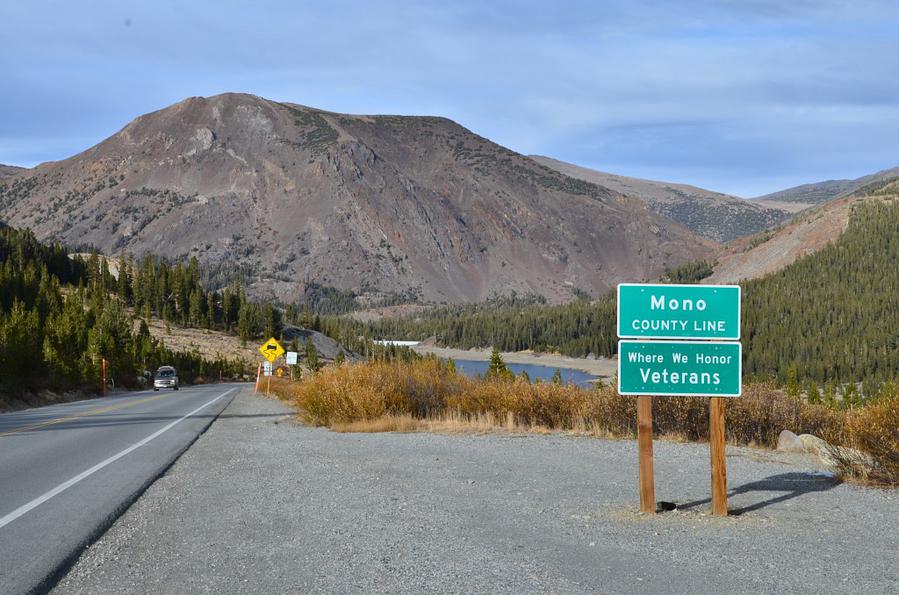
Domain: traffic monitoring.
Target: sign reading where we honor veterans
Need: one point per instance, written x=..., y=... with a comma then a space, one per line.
x=679, y=368
x=647, y=311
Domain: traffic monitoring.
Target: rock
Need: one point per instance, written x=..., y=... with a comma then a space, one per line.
x=813, y=444
x=327, y=347
x=787, y=441
x=836, y=456
x=820, y=448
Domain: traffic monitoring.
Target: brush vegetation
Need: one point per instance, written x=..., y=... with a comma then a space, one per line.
x=431, y=389
x=428, y=394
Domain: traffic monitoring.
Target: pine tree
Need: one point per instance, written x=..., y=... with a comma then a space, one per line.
x=497, y=367
x=814, y=397
x=65, y=343
x=793, y=388
x=312, y=361
x=557, y=376
x=123, y=284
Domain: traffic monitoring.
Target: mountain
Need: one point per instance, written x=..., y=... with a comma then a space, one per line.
x=802, y=197
x=9, y=170
x=284, y=194
x=717, y=216
x=808, y=233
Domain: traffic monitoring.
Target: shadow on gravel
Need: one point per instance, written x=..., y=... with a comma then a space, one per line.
x=792, y=485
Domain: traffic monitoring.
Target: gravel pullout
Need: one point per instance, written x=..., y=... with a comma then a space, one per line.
x=261, y=504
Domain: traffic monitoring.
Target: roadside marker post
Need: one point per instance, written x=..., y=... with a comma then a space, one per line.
x=686, y=345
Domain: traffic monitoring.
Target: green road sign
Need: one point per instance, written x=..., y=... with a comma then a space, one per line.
x=678, y=311
x=680, y=368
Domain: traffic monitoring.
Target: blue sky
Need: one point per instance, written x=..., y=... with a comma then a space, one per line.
x=744, y=97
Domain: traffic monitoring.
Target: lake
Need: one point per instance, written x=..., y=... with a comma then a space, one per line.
x=474, y=368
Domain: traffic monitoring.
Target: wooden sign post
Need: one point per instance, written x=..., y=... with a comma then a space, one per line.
x=707, y=364
x=644, y=446
x=719, y=460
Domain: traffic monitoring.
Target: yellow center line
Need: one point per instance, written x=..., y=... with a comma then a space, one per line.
x=60, y=420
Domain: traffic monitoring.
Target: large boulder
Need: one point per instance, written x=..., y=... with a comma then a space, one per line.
x=814, y=445
x=327, y=347
x=838, y=457
x=787, y=441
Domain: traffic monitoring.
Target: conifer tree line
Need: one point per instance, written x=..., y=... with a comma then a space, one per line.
x=60, y=317
x=176, y=294
x=830, y=318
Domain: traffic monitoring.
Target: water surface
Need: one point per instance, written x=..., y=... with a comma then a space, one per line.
x=474, y=368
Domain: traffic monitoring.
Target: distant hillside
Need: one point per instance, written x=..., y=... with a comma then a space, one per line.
x=717, y=216
x=809, y=232
x=830, y=315
x=807, y=195
x=9, y=170
x=417, y=206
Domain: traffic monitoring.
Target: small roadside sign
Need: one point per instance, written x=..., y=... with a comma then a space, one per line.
x=291, y=357
x=648, y=311
x=271, y=350
x=679, y=368
x=267, y=368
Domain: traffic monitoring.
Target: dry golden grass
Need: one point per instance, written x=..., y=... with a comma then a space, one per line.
x=873, y=431
x=428, y=395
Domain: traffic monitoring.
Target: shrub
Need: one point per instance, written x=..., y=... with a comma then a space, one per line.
x=874, y=431
x=429, y=389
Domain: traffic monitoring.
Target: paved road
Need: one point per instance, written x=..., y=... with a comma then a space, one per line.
x=68, y=471
x=260, y=504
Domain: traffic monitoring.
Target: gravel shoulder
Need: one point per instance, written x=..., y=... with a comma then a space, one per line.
x=262, y=504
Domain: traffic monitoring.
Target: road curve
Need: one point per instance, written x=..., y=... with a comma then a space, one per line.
x=67, y=471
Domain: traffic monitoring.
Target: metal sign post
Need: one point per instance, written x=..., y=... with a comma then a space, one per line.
x=291, y=358
x=699, y=366
x=270, y=350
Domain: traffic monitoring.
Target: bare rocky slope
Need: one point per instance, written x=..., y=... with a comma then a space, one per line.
x=807, y=195
x=376, y=204
x=717, y=216
x=8, y=170
x=808, y=232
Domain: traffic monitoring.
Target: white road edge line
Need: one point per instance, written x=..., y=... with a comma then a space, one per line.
x=24, y=509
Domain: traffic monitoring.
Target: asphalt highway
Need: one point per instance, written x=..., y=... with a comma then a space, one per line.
x=68, y=471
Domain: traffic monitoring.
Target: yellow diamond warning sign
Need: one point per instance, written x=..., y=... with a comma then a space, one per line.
x=271, y=350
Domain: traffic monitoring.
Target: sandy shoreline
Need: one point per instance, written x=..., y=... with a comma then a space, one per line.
x=602, y=367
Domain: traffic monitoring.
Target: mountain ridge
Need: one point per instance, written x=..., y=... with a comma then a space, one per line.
x=714, y=215
x=810, y=231
x=411, y=205
x=815, y=193
x=10, y=170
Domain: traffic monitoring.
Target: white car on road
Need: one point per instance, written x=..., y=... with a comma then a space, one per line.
x=166, y=377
